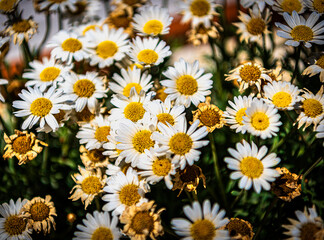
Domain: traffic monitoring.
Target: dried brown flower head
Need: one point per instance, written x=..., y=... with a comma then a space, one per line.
x=200, y=34
x=120, y=18
x=239, y=229
x=22, y=30
x=94, y=158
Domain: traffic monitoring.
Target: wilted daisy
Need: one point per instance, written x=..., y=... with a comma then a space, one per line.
x=7, y=6
x=142, y=221
x=84, y=90
x=130, y=78
x=262, y=119
x=148, y=51
x=23, y=146
x=108, y=45
x=88, y=185
x=261, y=3
x=22, y=30
x=252, y=166
x=308, y=224
x=12, y=224
x=40, y=107
x=118, y=18
x=2, y=82
x=315, y=5
x=204, y=222
x=39, y=213
x=68, y=46
x=180, y=141
x=94, y=158
x=249, y=74
x=289, y=6
x=46, y=73
x=61, y=5
x=98, y=225
x=234, y=114
x=186, y=83
x=198, y=11
x=312, y=108
x=95, y=133
x=253, y=25
x=201, y=34
x=124, y=190
x=283, y=95
x=239, y=229
x=299, y=30
x=129, y=6
x=316, y=68
x=152, y=20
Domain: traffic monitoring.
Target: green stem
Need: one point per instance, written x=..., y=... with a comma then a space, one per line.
x=265, y=53
x=45, y=156
x=296, y=56
x=189, y=197
x=48, y=27
x=309, y=170
x=60, y=22
x=3, y=124
x=194, y=194
x=300, y=134
x=283, y=140
x=28, y=55
x=97, y=204
x=237, y=198
x=262, y=222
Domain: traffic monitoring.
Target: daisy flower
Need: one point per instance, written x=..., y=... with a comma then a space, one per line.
x=283, y=95
x=148, y=51
x=186, y=83
x=111, y=149
x=40, y=107
x=316, y=68
x=299, y=30
x=252, y=166
x=204, y=222
x=84, y=90
x=12, y=224
x=312, y=108
x=253, y=25
x=46, y=73
x=2, y=82
x=108, y=45
x=152, y=20
x=262, y=119
x=308, y=223
x=289, y=6
x=234, y=114
x=60, y=117
x=315, y=6
x=124, y=190
x=165, y=112
x=134, y=138
x=22, y=30
x=97, y=226
x=95, y=133
x=155, y=168
x=94, y=158
x=249, y=74
x=61, y=5
x=261, y=3
x=130, y=78
x=180, y=141
x=89, y=184
x=198, y=12
x=68, y=46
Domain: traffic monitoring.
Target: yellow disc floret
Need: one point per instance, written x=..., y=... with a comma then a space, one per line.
x=302, y=33
x=187, y=85
x=142, y=140
x=129, y=195
x=165, y=118
x=319, y=5
x=106, y=49
x=210, y=117
x=41, y=107
x=129, y=86
x=147, y=56
x=153, y=27
x=251, y=167
x=49, y=74
x=312, y=108
x=84, y=88
x=102, y=233
x=291, y=5
x=320, y=61
x=22, y=26
x=91, y=185
x=250, y=73
x=239, y=116
x=71, y=45
x=260, y=121
x=39, y=211
x=203, y=230
x=134, y=111
x=256, y=26
x=161, y=167
x=180, y=143
x=7, y=5
x=281, y=99
x=142, y=221
x=199, y=8
x=22, y=144
x=102, y=133
x=14, y=225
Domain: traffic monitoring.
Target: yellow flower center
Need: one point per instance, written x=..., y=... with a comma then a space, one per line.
x=308, y=231
x=129, y=86
x=84, y=88
x=302, y=33
x=142, y=221
x=291, y=5
x=106, y=49
x=95, y=155
x=90, y=27
x=91, y=185
x=187, y=85
x=22, y=26
x=161, y=167
x=14, y=225
x=250, y=73
x=7, y=5
x=129, y=195
x=320, y=61
x=71, y=45
x=22, y=144
x=165, y=117
x=102, y=233
x=312, y=108
x=142, y=140
x=147, y=56
x=102, y=133
x=260, y=121
x=203, y=230
x=180, y=143
x=256, y=26
x=85, y=115
x=39, y=211
x=139, y=66
x=199, y=8
x=154, y=27
x=319, y=5
x=281, y=99
x=49, y=74
x=41, y=107
x=239, y=116
x=210, y=117
x=134, y=111
x=251, y=167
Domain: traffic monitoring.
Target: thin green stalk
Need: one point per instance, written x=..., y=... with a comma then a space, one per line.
x=237, y=198
x=47, y=31
x=194, y=195
x=296, y=56
x=265, y=52
x=265, y=216
x=3, y=124
x=283, y=140
x=189, y=197
x=60, y=22
x=28, y=55
x=45, y=156
x=309, y=170
x=293, y=123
